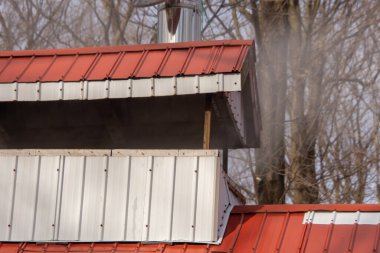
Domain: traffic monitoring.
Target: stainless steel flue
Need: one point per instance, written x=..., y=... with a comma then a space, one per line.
x=179, y=20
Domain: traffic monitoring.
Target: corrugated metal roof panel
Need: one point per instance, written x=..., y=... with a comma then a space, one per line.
x=174, y=62
x=14, y=69
x=270, y=229
x=36, y=69
x=80, y=67
x=103, y=67
x=58, y=70
x=130, y=195
x=123, y=62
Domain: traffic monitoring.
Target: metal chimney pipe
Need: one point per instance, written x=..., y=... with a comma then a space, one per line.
x=179, y=20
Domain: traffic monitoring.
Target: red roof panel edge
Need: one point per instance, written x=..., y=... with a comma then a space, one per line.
x=126, y=48
x=305, y=208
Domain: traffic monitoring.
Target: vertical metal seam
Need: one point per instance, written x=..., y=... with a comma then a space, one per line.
x=127, y=197
x=306, y=219
x=137, y=247
x=329, y=233
x=353, y=233
x=234, y=68
x=184, y=248
x=180, y=71
x=16, y=90
x=221, y=84
x=144, y=54
x=60, y=196
x=149, y=197
x=152, y=86
x=82, y=197
x=282, y=233
x=91, y=248
x=241, y=58
x=114, y=247
x=108, y=88
x=70, y=67
x=198, y=84
x=376, y=240
x=22, y=247
x=163, y=62
x=85, y=84
x=26, y=68
x=62, y=89
x=36, y=197
x=175, y=88
x=129, y=83
x=93, y=64
x=242, y=216
x=194, y=218
x=48, y=68
x=216, y=196
x=254, y=249
x=59, y=171
x=217, y=60
x=38, y=91
x=218, y=53
x=44, y=248
x=6, y=64
x=13, y=198
x=115, y=65
x=305, y=240
x=210, y=57
x=172, y=199
x=187, y=60
x=104, y=199
x=67, y=247
x=162, y=248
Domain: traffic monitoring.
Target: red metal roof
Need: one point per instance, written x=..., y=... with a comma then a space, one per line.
x=123, y=62
x=260, y=229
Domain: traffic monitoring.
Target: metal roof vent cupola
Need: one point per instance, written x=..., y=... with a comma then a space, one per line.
x=178, y=20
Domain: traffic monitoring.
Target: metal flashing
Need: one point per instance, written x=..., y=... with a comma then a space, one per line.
x=143, y=87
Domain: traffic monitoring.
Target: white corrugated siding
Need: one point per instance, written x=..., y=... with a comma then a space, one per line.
x=143, y=87
x=124, y=196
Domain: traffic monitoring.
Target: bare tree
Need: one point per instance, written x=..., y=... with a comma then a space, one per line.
x=328, y=40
